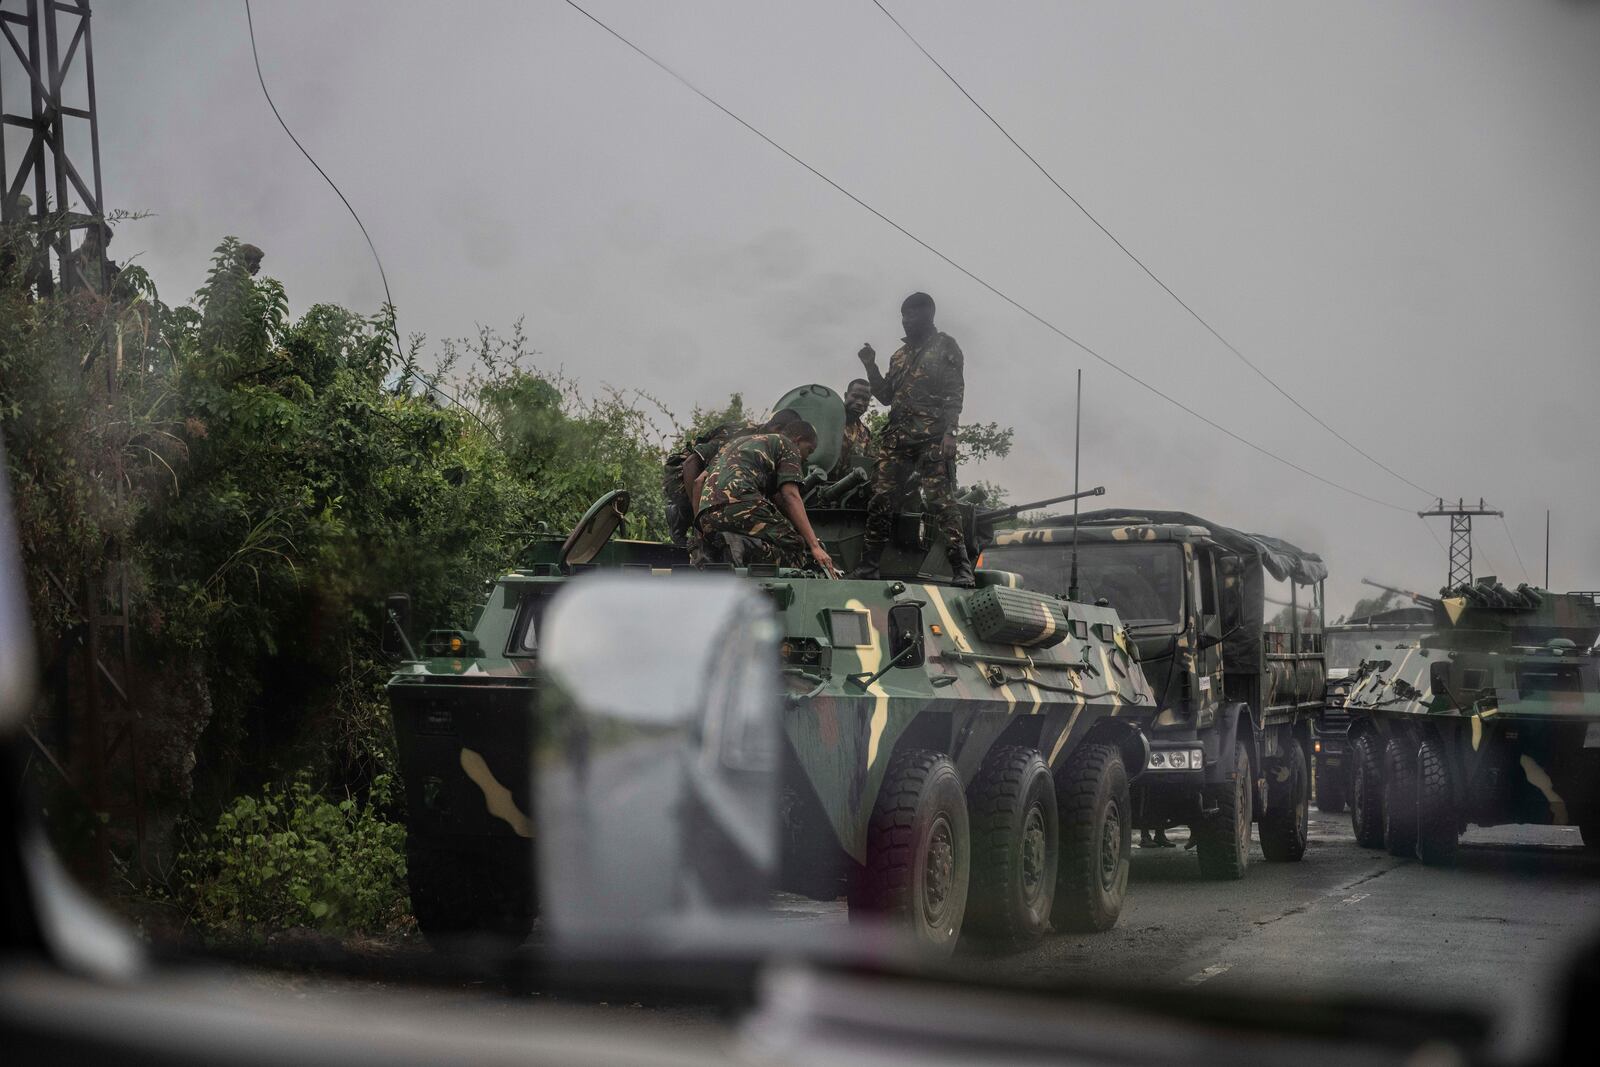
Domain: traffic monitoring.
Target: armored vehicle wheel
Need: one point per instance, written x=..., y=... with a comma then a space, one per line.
x=1096, y=839
x=1366, y=791
x=1286, y=824
x=918, y=851
x=472, y=896
x=1438, y=828
x=1015, y=846
x=1330, y=791
x=1399, y=799
x=1223, y=840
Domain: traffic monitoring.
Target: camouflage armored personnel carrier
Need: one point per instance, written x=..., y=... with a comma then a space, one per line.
x=956, y=759
x=1346, y=643
x=1228, y=630
x=1492, y=716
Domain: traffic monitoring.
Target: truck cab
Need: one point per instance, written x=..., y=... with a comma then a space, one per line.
x=1228, y=628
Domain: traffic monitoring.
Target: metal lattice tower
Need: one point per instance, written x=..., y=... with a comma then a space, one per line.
x=47, y=91
x=1461, y=515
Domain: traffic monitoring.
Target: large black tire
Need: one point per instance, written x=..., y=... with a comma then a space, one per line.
x=1366, y=790
x=918, y=852
x=1285, y=826
x=473, y=895
x=1223, y=839
x=1400, y=799
x=1096, y=839
x=1016, y=847
x=1438, y=826
x=1331, y=797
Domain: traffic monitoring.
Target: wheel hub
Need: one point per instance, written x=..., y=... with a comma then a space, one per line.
x=940, y=871
x=1033, y=850
x=1110, y=846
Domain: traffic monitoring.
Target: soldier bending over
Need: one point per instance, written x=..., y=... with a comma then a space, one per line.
x=751, y=491
x=924, y=390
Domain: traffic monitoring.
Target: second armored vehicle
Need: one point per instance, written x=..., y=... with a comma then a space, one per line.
x=1492, y=716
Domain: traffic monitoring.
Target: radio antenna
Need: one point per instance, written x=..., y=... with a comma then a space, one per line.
x=1077, y=441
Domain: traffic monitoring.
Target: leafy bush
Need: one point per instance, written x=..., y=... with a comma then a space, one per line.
x=291, y=857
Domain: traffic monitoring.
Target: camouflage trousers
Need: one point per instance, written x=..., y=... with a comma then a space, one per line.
x=904, y=463
x=769, y=536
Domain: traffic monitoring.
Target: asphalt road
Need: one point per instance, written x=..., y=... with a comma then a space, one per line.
x=1493, y=931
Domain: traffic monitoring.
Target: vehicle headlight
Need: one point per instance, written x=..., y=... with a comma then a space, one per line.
x=1158, y=759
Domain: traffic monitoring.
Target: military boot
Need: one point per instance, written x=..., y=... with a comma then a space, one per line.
x=960, y=567
x=867, y=567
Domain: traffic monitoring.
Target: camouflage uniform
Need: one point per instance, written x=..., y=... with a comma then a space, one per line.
x=680, y=513
x=924, y=390
x=857, y=449
x=737, y=498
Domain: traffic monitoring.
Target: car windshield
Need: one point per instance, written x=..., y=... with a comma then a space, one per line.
x=1143, y=582
x=498, y=489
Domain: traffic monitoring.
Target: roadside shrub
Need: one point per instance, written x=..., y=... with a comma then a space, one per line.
x=292, y=857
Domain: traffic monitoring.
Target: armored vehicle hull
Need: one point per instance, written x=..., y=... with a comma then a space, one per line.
x=1491, y=716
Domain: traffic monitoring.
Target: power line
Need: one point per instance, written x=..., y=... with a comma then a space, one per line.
x=1141, y=264
x=1516, y=551
x=388, y=300
x=1046, y=323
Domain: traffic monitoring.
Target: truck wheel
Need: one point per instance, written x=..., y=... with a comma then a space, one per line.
x=1330, y=790
x=1096, y=839
x=1015, y=846
x=1437, y=826
x=1399, y=799
x=1223, y=840
x=918, y=851
x=1366, y=791
x=463, y=899
x=1285, y=826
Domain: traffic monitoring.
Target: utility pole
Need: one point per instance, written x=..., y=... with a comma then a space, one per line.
x=50, y=154
x=1461, y=515
x=48, y=54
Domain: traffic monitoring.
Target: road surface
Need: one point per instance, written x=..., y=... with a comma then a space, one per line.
x=1492, y=931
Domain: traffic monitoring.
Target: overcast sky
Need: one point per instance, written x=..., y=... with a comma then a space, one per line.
x=1390, y=207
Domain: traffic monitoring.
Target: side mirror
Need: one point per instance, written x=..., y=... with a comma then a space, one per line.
x=905, y=635
x=655, y=760
x=396, y=625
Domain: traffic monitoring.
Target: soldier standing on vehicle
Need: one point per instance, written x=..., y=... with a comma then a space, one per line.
x=857, y=448
x=924, y=390
x=752, y=490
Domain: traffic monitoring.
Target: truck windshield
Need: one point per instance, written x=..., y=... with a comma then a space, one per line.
x=1143, y=582
x=1347, y=648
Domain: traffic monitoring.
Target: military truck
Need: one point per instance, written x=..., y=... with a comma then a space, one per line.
x=1346, y=644
x=1228, y=629
x=1491, y=716
x=956, y=759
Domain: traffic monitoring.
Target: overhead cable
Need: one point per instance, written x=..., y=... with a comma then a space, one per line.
x=1139, y=262
x=1018, y=305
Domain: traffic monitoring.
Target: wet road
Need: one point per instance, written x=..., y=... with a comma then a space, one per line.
x=1492, y=931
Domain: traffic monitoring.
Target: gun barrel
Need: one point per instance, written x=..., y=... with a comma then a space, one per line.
x=1427, y=601
x=1012, y=511
x=843, y=486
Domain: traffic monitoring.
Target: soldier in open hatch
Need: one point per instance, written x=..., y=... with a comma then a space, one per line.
x=857, y=449
x=751, y=491
x=923, y=390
